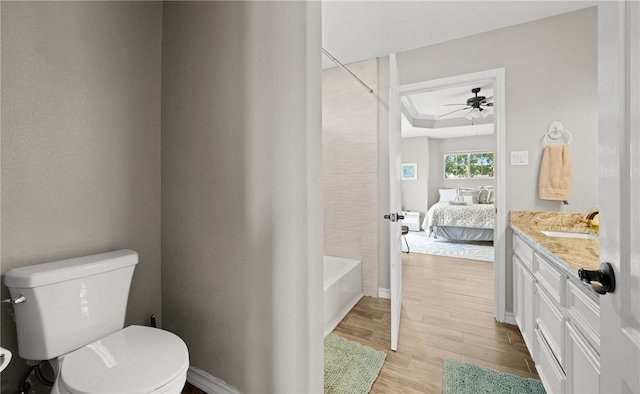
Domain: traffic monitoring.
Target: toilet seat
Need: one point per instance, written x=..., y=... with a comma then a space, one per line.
x=134, y=360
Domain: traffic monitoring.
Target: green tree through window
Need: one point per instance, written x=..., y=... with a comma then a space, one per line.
x=456, y=166
x=468, y=165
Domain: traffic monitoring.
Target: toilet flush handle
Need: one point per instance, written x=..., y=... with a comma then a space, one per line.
x=19, y=299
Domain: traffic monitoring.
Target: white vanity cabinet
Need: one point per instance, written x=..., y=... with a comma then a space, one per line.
x=559, y=318
x=524, y=293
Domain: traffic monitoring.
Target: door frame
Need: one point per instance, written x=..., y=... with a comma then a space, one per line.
x=497, y=76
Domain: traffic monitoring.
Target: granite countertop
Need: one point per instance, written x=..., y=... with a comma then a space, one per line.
x=573, y=253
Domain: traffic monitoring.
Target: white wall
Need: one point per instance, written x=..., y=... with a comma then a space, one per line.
x=242, y=192
x=350, y=167
x=551, y=74
x=414, y=192
x=439, y=147
x=80, y=143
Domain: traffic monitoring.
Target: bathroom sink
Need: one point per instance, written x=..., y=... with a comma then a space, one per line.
x=563, y=234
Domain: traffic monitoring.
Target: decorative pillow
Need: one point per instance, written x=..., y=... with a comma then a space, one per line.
x=490, y=197
x=470, y=196
x=483, y=196
x=448, y=195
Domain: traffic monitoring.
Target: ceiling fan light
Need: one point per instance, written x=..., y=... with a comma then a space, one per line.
x=473, y=114
x=484, y=113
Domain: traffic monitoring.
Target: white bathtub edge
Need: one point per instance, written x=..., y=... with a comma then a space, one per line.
x=341, y=315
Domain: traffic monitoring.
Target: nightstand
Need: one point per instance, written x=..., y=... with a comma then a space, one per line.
x=412, y=219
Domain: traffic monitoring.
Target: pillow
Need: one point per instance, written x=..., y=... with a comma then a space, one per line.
x=490, y=197
x=470, y=196
x=483, y=196
x=448, y=195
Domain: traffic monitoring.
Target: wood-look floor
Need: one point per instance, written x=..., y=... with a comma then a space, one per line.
x=190, y=389
x=447, y=312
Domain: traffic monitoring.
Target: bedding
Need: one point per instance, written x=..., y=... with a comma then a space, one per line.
x=443, y=217
x=448, y=194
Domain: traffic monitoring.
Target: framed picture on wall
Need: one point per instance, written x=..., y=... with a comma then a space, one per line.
x=409, y=171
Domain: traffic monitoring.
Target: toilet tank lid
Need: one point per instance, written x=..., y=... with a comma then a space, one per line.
x=63, y=270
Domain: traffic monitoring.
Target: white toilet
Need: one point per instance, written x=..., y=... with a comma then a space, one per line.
x=71, y=312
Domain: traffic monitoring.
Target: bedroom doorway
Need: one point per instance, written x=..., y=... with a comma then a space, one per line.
x=484, y=114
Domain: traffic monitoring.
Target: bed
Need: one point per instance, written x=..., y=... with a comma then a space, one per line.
x=470, y=222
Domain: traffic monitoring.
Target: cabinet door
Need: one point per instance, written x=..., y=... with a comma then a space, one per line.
x=518, y=292
x=551, y=321
x=524, y=304
x=582, y=364
x=529, y=313
x=552, y=376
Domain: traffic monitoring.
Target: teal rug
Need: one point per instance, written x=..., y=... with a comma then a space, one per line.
x=465, y=378
x=349, y=367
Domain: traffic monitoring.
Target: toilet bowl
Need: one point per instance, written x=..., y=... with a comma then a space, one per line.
x=136, y=359
x=71, y=312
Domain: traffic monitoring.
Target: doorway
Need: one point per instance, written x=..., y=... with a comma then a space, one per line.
x=496, y=79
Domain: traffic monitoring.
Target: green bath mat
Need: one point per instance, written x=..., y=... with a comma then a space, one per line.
x=349, y=367
x=466, y=378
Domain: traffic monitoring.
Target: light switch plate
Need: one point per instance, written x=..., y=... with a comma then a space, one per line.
x=520, y=158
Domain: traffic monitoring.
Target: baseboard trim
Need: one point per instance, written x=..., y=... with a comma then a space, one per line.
x=384, y=293
x=208, y=383
x=509, y=318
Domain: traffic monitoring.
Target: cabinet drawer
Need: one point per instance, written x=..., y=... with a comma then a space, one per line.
x=523, y=251
x=583, y=364
x=551, y=324
x=584, y=313
x=551, y=279
x=551, y=374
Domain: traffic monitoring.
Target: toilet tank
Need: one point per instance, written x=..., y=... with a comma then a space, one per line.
x=70, y=303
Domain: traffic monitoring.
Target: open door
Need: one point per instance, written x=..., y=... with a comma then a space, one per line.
x=619, y=188
x=395, y=198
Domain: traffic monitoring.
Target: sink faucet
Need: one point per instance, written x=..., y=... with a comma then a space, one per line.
x=592, y=214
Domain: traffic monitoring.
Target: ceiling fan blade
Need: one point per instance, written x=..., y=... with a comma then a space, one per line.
x=488, y=99
x=454, y=104
x=487, y=104
x=449, y=113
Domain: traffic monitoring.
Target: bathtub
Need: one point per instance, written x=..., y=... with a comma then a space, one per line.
x=342, y=289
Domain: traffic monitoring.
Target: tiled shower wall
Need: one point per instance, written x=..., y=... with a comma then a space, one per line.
x=350, y=167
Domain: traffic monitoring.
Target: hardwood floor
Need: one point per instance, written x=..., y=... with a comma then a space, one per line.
x=190, y=389
x=447, y=312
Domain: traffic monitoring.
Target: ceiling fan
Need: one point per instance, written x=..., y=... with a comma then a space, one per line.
x=476, y=105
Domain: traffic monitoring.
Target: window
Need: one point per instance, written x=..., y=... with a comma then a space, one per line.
x=468, y=165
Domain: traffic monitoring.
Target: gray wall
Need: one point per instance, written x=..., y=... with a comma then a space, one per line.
x=439, y=147
x=551, y=74
x=414, y=192
x=242, y=191
x=80, y=142
x=241, y=170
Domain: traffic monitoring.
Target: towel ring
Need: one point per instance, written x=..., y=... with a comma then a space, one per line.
x=554, y=132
